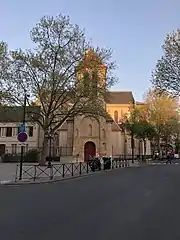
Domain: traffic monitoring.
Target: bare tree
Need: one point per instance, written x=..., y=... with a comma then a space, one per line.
x=64, y=74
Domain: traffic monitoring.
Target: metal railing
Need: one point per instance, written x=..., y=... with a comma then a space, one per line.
x=35, y=172
x=135, y=157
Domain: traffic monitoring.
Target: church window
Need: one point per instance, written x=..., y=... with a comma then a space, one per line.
x=116, y=116
x=90, y=130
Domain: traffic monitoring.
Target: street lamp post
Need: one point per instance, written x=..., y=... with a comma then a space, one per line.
x=125, y=148
x=22, y=147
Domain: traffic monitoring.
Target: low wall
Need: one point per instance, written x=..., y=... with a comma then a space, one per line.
x=16, y=159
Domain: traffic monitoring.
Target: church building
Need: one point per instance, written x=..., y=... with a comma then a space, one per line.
x=85, y=136
x=100, y=136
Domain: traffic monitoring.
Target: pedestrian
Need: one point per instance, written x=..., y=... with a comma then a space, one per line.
x=168, y=158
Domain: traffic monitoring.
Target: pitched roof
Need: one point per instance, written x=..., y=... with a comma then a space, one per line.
x=115, y=127
x=121, y=97
x=15, y=114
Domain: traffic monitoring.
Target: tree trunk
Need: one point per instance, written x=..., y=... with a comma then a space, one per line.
x=159, y=146
x=166, y=146
x=44, y=151
x=144, y=141
x=125, y=146
x=139, y=148
x=132, y=147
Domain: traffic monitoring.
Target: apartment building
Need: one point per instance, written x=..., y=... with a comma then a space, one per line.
x=10, y=118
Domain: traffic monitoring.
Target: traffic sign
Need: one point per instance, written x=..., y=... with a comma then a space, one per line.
x=22, y=137
x=22, y=127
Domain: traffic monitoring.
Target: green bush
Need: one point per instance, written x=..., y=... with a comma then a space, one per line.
x=32, y=156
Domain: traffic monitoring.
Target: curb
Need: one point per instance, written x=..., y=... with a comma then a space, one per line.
x=13, y=183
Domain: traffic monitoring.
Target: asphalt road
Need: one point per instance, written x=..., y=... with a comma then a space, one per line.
x=133, y=203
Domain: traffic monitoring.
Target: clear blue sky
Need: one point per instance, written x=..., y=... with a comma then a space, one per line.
x=134, y=29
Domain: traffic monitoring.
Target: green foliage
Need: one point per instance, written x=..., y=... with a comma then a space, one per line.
x=137, y=124
x=166, y=76
x=4, y=59
x=32, y=156
x=144, y=130
x=4, y=71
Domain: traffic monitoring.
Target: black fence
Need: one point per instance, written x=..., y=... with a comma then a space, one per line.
x=135, y=157
x=36, y=172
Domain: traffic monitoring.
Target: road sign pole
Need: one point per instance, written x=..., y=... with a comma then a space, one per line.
x=21, y=162
x=22, y=147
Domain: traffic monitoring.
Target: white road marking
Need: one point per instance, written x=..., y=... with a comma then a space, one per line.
x=164, y=163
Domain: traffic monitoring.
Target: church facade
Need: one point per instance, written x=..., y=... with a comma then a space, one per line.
x=85, y=136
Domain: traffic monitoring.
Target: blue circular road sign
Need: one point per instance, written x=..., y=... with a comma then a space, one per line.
x=22, y=137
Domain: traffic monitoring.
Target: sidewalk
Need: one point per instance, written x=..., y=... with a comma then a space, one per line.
x=135, y=164
x=8, y=173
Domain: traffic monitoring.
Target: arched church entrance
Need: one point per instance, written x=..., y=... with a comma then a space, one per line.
x=89, y=149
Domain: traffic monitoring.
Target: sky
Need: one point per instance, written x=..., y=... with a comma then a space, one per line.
x=134, y=29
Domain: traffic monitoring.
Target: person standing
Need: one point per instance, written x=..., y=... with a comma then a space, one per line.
x=169, y=157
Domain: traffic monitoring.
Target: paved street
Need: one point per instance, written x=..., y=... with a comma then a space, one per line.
x=132, y=203
x=164, y=161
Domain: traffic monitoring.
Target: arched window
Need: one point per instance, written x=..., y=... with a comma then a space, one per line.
x=103, y=134
x=116, y=116
x=104, y=146
x=90, y=130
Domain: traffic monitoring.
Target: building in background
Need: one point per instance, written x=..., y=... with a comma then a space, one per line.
x=10, y=118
